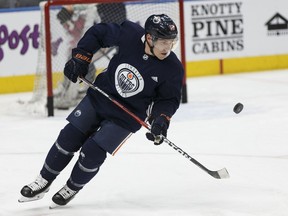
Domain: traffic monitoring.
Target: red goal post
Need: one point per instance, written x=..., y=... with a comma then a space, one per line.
x=137, y=11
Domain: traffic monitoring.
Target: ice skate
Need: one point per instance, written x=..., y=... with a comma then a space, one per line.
x=34, y=191
x=62, y=197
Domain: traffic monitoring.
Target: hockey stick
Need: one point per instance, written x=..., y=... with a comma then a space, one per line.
x=218, y=174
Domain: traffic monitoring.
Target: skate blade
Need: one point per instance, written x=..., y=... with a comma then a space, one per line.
x=54, y=206
x=29, y=199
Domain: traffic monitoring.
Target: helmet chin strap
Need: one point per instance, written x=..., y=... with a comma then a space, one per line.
x=151, y=47
x=152, y=50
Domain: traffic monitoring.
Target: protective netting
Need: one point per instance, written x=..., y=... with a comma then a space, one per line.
x=68, y=23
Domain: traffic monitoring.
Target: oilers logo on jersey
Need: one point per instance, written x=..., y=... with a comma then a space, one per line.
x=128, y=80
x=77, y=113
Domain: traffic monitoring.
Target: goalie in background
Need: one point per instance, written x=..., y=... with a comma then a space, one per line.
x=76, y=19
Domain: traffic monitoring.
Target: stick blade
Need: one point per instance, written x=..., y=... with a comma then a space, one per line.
x=220, y=174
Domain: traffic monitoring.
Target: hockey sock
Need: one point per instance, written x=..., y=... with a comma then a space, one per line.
x=91, y=158
x=69, y=141
x=55, y=162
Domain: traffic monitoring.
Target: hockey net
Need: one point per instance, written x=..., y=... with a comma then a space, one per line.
x=61, y=29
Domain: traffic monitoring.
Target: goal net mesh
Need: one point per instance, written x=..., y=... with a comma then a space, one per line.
x=68, y=23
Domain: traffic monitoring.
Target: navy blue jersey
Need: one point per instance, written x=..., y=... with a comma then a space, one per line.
x=133, y=78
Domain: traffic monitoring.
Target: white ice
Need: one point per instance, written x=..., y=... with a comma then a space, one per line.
x=147, y=180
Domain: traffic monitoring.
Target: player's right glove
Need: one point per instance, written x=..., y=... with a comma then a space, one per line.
x=78, y=65
x=159, y=129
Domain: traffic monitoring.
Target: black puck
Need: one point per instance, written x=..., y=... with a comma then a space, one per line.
x=238, y=108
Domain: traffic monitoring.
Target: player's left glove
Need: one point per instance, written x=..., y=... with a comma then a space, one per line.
x=159, y=129
x=78, y=65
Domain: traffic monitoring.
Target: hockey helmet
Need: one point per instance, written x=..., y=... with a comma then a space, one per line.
x=161, y=26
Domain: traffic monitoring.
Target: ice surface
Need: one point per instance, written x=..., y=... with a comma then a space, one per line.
x=143, y=179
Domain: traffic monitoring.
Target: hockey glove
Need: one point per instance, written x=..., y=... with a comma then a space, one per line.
x=159, y=129
x=78, y=65
x=64, y=15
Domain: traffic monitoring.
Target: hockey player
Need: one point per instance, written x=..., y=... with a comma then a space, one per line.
x=145, y=71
